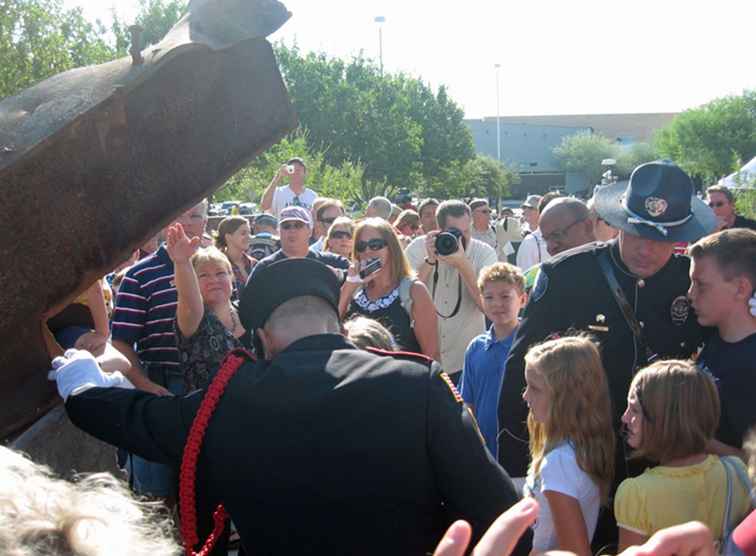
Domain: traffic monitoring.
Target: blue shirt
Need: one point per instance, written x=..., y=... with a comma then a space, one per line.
x=481, y=381
x=144, y=312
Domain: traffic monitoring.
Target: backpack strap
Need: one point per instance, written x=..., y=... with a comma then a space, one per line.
x=405, y=296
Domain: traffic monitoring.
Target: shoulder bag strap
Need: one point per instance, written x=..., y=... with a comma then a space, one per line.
x=619, y=296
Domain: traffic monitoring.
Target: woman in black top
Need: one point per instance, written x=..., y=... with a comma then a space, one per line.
x=413, y=320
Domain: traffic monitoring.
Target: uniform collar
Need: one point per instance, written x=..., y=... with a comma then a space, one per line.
x=319, y=342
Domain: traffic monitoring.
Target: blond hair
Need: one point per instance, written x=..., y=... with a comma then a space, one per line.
x=364, y=333
x=341, y=222
x=502, y=272
x=211, y=255
x=42, y=514
x=579, y=407
x=399, y=264
x=680, y=406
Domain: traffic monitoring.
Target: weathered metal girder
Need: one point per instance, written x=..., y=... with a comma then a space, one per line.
x=95, y=160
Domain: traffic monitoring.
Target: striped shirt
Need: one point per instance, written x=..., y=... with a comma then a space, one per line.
x=144, y=313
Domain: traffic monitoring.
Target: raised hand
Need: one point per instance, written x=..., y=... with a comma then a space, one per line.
x=180, y=248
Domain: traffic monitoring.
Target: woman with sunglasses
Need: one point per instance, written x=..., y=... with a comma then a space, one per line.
x=411, y=318
x=339, y=237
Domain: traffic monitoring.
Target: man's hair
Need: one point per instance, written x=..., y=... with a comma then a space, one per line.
x=326, y=204
x=546, y=199
x=453, y=208
x=382, y=207
x=680, y=407
x=502, y=272
x=211, y=255
x=425, y=203
x=302, y=309
x=734, y=251
x=407, y=217
x=43, y=514
x=723, y=190
x=477, y=203
x=364, y=333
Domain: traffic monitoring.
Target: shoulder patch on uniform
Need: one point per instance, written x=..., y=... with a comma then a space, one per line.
x=452, y=388
x=540, y=287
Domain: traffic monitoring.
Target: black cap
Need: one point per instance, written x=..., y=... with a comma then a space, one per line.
x=281, y=281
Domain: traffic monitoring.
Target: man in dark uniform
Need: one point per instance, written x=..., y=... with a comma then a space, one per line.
x=320, y=448
x=656, y=209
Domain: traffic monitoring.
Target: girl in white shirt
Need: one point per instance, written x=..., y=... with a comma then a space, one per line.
x=571, y=441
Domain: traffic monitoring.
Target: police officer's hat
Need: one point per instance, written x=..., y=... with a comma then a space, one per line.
x=657, y=203
x=284, y=280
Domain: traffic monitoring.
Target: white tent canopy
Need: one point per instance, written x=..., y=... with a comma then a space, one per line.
x=743, y=178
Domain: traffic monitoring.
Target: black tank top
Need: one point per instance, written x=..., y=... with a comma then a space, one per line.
x=389, y=312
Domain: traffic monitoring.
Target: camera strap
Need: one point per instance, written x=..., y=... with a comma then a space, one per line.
x=459, y=294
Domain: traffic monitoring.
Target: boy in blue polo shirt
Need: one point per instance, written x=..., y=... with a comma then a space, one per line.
x=502, y=288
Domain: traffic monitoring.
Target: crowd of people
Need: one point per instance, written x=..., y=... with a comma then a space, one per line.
x=356, y=383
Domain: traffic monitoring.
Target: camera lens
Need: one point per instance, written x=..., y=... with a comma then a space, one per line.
x=446, y=243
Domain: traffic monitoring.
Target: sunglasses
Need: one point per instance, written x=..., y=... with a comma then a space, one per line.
x=341, y=234
x=328, y=221
x=375, y=244
x=296, y=225
x=718, y=204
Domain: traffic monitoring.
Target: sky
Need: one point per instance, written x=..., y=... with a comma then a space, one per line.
x=555, y=56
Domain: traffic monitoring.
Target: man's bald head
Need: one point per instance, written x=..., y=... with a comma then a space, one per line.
x=565, y=224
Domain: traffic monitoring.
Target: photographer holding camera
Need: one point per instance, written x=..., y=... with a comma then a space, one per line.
x=448, y=261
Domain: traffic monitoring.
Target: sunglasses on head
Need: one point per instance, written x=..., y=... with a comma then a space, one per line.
x=341, y=234
x=292, y=225
x=718, y=204
x=375, y=244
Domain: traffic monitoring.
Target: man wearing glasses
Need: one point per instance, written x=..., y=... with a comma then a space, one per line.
x=295, y=194
x=566, y=224
x=295, y=229
x=325, y=211
x=481, y=222
x=722, y=202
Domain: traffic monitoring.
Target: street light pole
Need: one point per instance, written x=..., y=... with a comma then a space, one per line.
x=380, y=20
x=498, y=115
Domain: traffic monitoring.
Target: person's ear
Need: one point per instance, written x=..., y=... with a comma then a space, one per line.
x=744, y=289
x=267, y=343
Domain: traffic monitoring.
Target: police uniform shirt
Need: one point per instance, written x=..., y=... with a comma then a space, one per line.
x=325, y=450
x=571, y=292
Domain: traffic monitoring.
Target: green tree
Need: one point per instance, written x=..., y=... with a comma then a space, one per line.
x=394, y=125
x=635, y=155
x=583, y=152
x=711, y=141
x=39, y=38
x=156, y=17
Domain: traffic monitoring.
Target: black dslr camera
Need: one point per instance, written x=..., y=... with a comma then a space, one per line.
x=447, y=242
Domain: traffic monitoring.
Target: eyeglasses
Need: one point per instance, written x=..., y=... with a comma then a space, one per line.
x=375, y=244
x=718, y=204
x=327, y=221
x=295, y=225
x=341, y=234
x=560, y=235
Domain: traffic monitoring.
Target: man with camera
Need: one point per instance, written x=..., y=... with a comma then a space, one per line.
x=277, y=197
x=448, y=261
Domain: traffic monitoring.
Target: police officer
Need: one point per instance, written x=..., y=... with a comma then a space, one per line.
x=319, y=448
x=648, y=317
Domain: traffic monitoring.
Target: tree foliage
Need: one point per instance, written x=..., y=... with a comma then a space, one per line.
x=156, y=17
x=394, y=125
x=713, y=140
x=39, y=38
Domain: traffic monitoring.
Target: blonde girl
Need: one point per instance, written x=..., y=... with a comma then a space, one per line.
x=672, y=414
x=571, y=441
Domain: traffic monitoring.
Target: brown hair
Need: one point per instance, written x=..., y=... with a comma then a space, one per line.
x=734, y=251
x=326, y=203
x=579, y=410
x=452, y=208
x=680, y=407
x=228, y=225
x=340, y=222
x=502, y=272
x=407, y=217
x=425, y=203
x=400, y=266
x=723, y=190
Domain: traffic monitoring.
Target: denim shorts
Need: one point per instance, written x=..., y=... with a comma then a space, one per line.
x=148, y=478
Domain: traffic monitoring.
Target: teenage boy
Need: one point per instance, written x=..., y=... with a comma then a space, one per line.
x=502, y=288
x=723, y=278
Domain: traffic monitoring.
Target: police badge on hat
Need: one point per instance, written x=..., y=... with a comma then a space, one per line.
x=655, y=206
x=679, y=310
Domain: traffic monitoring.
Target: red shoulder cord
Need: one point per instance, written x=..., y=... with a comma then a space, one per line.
x=188, y=474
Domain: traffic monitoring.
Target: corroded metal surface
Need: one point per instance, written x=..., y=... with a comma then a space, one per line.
x=95, y=160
